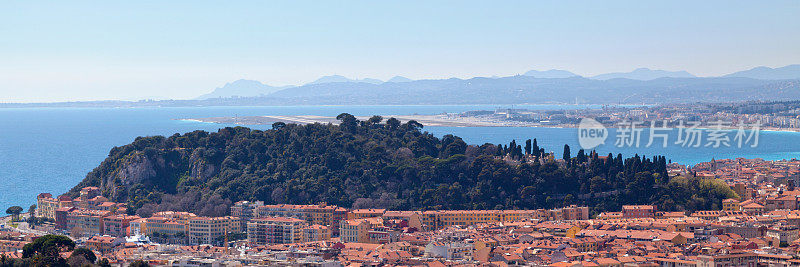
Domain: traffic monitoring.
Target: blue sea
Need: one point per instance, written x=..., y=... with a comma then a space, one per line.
x=52, y=149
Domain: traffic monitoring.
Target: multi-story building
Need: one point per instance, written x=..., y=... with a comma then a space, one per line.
x=450, y=250
x=365, y=213
x=61, y=217
x=86, y=222
x=89, y=197
x=117, y=225
x=746, y=230
x=94, y=203
x=514, y=215
x=785, y=234
x=246, y=211
x=434, y=220
x=316, y=233
x=358, y=230
x=574, y=212
x=569, y=213
x=321, y=214
x=730, y=205
x=753, y=208
x=737, y=259
x=741, y=190
x=118, y=208
x=275, y=230
x=339, y=215
x=89, y=192
x=353, y=231
x=638, y=211
x=782, y=202
x=412, y=219
x=138, y=227
x=209, y=230
x=164, y=226
x=104, y=244
x=168, y=223
x=46, y=206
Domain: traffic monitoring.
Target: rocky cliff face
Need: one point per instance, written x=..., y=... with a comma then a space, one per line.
x=200, y=169
x=161, y=171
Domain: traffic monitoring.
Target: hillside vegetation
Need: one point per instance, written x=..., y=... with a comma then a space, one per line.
x=376, y=164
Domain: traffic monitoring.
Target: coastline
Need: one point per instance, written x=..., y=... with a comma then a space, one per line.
x=427, y=120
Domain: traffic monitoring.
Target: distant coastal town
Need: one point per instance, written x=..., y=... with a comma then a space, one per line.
x=758, y=227
x=777, y=116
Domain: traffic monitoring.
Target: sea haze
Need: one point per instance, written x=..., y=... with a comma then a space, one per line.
x=52, y=149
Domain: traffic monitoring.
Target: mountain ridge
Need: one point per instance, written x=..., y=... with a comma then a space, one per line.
x=330, y=83
x=553, y=73
x=644, y=74
x=242, y=88
x=766, y=73
x=342, y=79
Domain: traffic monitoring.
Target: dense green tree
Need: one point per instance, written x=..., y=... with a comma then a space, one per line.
x=278, y=125
x=391, y=165
x=6, y=261
x=581, y=156
x=392, y=124
x=348, y=122
x=14, y=211
x=44, y=251
x=31, y=210
x=374, y=120
x=86, y=253
x=528, y=147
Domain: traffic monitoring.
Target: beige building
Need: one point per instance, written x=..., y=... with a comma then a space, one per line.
x=210, y=230
x=316, y=233
x=365, y=213
x=358, y=230
x=434, y=220
x=46, y=206
x=275, y=230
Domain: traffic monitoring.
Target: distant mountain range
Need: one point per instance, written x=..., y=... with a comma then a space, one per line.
x=399, y=79
x=242, y=88
x=644, y=74
x=611, y=88
x=526, y=89
x=767, y=73
x=534, y=87
x=555, y=74
x=342, y=79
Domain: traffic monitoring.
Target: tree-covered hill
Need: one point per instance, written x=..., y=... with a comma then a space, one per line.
x=376, y=164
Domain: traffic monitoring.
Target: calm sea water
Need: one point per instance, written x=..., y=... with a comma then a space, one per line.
x=52, y=149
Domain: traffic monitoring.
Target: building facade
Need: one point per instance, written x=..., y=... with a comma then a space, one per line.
x=275, y=230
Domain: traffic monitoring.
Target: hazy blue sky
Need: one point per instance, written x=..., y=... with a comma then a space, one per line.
x=79, y=50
